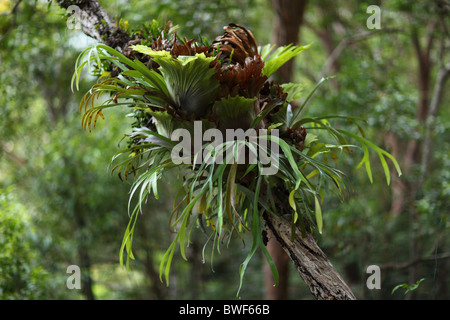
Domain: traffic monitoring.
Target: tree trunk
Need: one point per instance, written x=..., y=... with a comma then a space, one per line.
x=288, y=19
x=84, y=257
x=281, y=260
x=85, y=267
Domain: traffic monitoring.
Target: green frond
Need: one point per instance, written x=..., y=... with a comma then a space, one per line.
x=381, y=154
x=190, y=80
x=276, y=59
x=235, y=112
x=293, y=90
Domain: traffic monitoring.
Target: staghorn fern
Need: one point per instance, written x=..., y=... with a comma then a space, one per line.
x=223, y=86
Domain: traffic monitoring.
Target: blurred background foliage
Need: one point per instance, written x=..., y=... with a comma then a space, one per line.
x=60, y=206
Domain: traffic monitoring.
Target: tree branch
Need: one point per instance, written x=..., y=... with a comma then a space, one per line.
x=310, y=261
x=96, y=23
x=348, y=41
x=15, y=158
x=411, y=263
x=13, y=12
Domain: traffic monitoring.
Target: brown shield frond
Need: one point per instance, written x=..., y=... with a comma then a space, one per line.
x=236, y=43
x=188, y=48
x=245, y=80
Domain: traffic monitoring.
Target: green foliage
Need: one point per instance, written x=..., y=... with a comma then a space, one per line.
x=408, y=287
x=276, y=59
x=235, y=112
x=20, y=277
x=372, y=82
x=56, y=167
x=198, y=18
x=190, y=81
x=184, y=88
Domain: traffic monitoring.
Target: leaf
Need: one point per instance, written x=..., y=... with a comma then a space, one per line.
x=266, y=50
x=166, y=262
x=191, y=82
x=296, y=114
x=287, y=152
x=257, y=241
x=403, y=285
x=279, y=57
x=366, y=161
x=235, y=112
x=293, y=90
x=127, y=240
x=292, y=204
x=381, y=153
x=318, y=212
x=152, y=137
x=310, y=138
x=230, y=193
x=149, y=51
x=408, y=288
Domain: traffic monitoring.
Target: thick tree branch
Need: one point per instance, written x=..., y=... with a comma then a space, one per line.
x=311, y=262
x=96, y=23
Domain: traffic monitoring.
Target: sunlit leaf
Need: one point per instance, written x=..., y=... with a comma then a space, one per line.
x=276, y=59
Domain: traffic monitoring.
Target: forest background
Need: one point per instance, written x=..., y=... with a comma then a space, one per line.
x=59, y=205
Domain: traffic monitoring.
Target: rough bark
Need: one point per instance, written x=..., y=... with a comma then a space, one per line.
x=312, y=264
x=96, y=23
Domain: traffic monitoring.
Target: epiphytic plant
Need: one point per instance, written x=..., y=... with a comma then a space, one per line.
x=169, y=83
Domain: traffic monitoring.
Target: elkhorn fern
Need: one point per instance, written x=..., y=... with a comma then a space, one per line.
x=173, y=83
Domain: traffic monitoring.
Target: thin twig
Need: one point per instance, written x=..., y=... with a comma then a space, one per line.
x=348, y=41
x=404, y=265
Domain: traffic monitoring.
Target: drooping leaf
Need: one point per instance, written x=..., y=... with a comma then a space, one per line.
x=292, y=204
x=381, y=153
x=318, y=212
x=257, y=240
